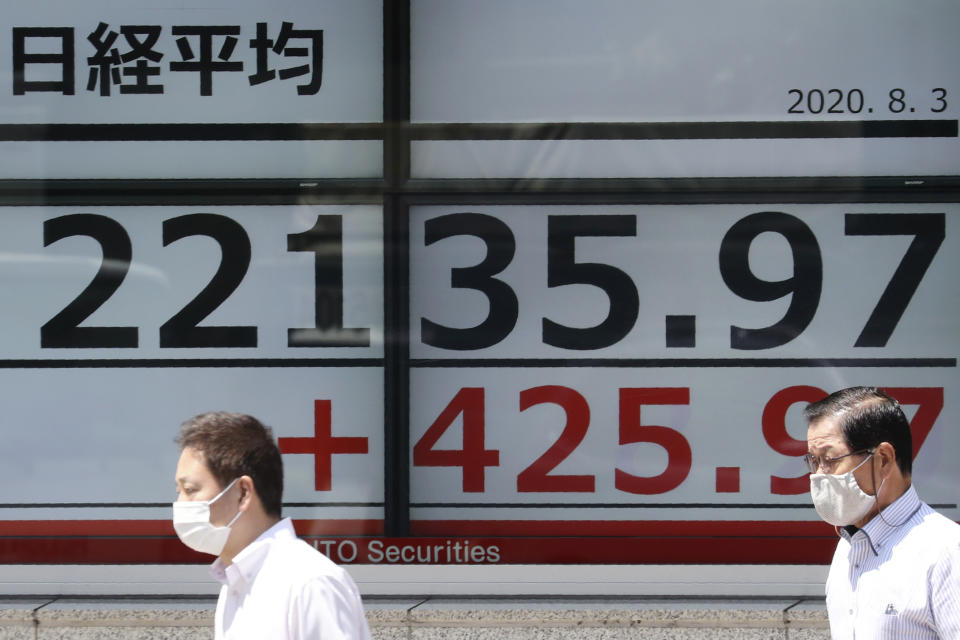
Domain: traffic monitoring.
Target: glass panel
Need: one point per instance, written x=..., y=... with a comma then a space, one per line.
x=124, y=321
x=225, y=90
x=741, y=88
x=615, y=383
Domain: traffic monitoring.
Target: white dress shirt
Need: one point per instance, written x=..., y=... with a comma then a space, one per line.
x=898, y=578
x=279, y=587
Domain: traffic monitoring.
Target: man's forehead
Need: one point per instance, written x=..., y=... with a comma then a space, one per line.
x=825, y=431
x=192, y=466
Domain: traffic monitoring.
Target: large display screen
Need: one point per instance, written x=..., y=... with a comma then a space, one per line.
x=514, y=283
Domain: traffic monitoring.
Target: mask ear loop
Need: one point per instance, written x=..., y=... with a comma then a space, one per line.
x=876, y=495
x=225, y=489
x=239, y=512
x=235, y=518
x=876, y=498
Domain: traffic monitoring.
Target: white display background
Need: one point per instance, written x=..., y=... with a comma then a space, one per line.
x=537, y=159
x=683, y=62
x=306, y=160
x=623, y=61
x=105, y=437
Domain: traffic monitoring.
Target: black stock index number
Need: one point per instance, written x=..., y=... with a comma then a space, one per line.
x=928, y=231
x=804, y=286
x=325, y=241
x=63, y=330
x=182, y=330
x=563, y=269
x=504, y=306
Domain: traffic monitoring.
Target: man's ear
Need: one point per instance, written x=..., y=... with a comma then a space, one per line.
x=247, y=492
x=887, y=456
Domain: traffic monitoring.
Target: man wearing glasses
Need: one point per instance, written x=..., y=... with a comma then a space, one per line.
x=896, y=571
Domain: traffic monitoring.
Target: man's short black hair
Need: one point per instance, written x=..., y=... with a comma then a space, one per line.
x=867, y=417
x=234, y=445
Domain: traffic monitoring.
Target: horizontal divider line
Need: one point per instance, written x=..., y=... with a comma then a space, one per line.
x=683, y=362
x=671, y=505
x=566, y=505
x=332, y=504
x=133, y=363
x=624, y=190
x=690, y=505
x=198, y=131
x=723, y=130
x=161, y=363
x=550, y=505
x=154, y=505
x=84, y=505
x=686, y=130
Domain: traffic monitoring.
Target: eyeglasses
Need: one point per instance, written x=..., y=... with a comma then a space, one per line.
x=817, y=462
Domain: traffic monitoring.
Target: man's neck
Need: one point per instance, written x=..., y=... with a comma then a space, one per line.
x=889, y=497
x=242, y=536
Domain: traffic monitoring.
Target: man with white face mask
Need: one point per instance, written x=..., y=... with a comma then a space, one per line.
x=229, y=488
x=896, y=570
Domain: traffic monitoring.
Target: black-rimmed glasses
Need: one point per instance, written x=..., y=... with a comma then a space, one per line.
x=827, y=463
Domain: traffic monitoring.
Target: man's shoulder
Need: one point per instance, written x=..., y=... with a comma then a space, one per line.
x=935, y=521
x=932, y=536
x=300, y=561
x=310, y=578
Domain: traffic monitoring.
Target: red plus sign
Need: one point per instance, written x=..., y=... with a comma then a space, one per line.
x=322, y=445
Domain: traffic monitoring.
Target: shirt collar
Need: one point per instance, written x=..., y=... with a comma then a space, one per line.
x=884, y=524
x=247, y=563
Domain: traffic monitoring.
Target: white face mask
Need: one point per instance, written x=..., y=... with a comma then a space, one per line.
x=839, y=499
x=191, y=521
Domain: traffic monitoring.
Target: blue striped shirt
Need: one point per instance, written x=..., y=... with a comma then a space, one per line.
x=898, y=578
